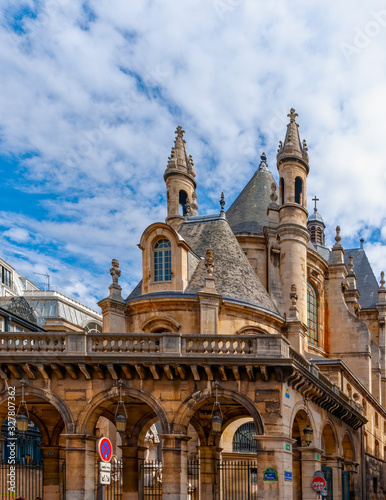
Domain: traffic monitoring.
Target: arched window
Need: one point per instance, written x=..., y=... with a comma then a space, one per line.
x=298, y=191
x=162, y=260
x=182, y=199
x=282, y=190
x=312, y=314
x=243, y=441
x=93, y=327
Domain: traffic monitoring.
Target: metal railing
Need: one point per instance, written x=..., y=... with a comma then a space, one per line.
x=28, y=480
x=238, y=479
x=151, y=480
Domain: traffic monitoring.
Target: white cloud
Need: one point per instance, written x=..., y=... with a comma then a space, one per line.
x=96, y=97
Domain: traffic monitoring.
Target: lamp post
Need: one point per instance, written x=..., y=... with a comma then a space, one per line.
x=22, y=420
x=216, y=417
x=120, y=418
x=307, y=432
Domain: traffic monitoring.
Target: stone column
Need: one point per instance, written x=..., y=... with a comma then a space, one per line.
x=334, y=462
x=274, y=452
x=51, y=480
x=80, y=467
x=132, y=457
x=310, y=463
x=209, y=460
x=174, y=466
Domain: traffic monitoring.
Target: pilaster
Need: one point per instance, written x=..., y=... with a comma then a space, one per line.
x=174, y=466
x=80, y=466
x=274, y=452
x=51, y=479
x=310, y=463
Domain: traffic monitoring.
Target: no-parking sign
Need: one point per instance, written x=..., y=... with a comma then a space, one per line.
x=105, y=449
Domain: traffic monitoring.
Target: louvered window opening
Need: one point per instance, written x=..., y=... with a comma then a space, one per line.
x=243, y=441
x=312, y=315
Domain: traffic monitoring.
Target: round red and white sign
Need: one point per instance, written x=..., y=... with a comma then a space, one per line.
x=318, y=483
x=105, y=449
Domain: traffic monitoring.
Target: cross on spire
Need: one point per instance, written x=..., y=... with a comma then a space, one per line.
x=315, y=200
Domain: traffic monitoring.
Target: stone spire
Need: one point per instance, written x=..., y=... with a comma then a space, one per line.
x=292, y=147
x=179, y=158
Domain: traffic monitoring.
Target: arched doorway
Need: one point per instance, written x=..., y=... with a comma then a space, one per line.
x=38, y=452
x=137, y=449
x=222, y=471
x=330, y=463
x=298, y=426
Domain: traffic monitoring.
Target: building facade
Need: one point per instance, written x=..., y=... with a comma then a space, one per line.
x=247, y=346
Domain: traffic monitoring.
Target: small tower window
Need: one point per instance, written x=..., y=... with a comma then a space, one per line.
x=282, y=190
x=162, y=260
x=243, y=441
x=312, y=314
x=182, y=199
x=298, y=191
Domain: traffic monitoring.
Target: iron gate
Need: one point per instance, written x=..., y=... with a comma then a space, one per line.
x=150, y=487
x=238, y=480
x=28, y=480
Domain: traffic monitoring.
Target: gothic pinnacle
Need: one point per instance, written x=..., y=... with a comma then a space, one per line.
x=292, y=146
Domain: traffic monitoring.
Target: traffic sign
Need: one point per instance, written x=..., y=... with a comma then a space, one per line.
x=105, y=449
x=318, y=483
x=104, y=477
x=105, y=466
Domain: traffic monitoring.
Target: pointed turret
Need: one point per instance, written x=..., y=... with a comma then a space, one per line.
x=292, y=147
x=248, y=213
x=292, y=164
x=180, y=183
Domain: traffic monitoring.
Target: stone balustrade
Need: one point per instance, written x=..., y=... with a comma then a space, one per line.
x=186, y=345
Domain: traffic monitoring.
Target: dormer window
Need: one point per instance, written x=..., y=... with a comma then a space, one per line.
x=162, y=260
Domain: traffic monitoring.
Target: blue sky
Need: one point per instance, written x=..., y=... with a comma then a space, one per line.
x=91, y=93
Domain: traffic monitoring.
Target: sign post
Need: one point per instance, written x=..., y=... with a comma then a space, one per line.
x=105, y=452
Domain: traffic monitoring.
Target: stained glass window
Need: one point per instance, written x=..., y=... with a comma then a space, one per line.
x=312, y=315
x=162, y=260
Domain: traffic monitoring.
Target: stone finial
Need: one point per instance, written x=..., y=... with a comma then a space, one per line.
x=263, y=163
x=194, y=204
x=361, y=242
x=115, y=271
x=273, y=194
x=222, y=202
x=280, y=147
x=351, y=263
x=382, y=282
x=209, y=262
x=338, y=238
x=179, y=133
x=292, y=115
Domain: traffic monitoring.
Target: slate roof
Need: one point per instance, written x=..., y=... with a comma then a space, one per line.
x=234, y=275
x=248, y=213
x=367, y=285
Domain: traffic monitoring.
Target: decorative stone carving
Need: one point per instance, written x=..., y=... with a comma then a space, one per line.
x=382, y=282
x=115, y=271
x=209, y=262
x=194, y=204
x=273, y=194
x=263, y=163
x=293, y=310
x=115, y=288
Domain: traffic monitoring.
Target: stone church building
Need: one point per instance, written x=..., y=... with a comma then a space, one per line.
x=253, y=355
